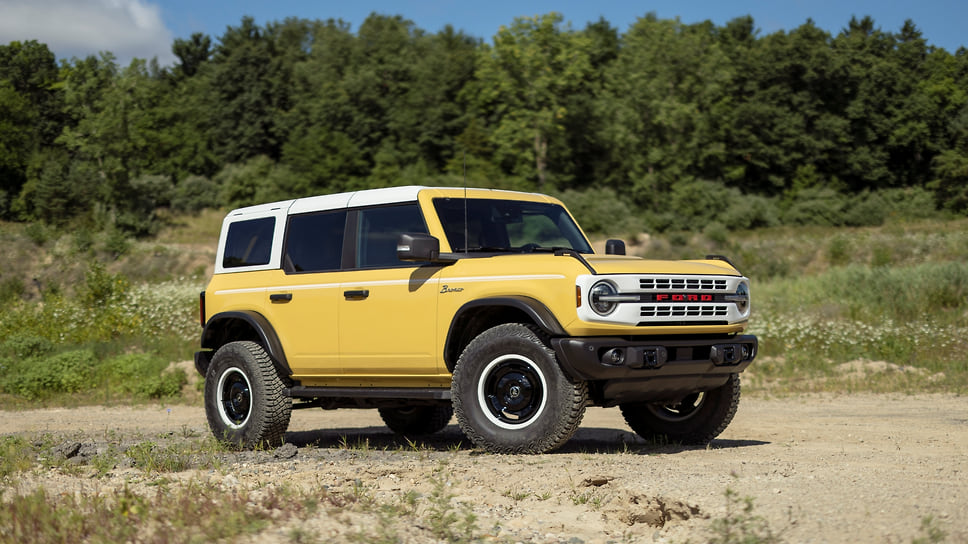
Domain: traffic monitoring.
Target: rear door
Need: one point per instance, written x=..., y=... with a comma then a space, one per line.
x=303, y=302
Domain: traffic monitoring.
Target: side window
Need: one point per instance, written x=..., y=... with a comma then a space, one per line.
x=249, y=243
x=314, y=242
x=379, y=230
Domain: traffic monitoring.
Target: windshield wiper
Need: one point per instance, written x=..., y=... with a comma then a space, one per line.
x=532, y=248
x=485, y=249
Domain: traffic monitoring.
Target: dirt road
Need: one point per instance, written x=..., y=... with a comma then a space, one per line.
x=865, y=468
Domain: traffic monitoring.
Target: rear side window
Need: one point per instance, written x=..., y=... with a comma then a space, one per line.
x=249, y=243
x=314, y=242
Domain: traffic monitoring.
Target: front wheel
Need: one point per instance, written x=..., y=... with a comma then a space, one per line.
x=510, y=395
x=244, y=399
x=695, y=420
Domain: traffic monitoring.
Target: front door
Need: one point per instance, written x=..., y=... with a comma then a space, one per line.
x=387, y=308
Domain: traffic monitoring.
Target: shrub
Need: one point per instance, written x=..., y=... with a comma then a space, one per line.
x=816, y=206
x=257, y=180
x=716, y=232
x=140, y=199
x=838, y=251
x=116, y=243
x=694, y=204
x=101, y=286
x=37, y=233
x=866, y=209
x=83, y=240
x=124, y=370
x=909, y=203
x=27, y=346
x=142, y=375
x=12, y=289
x=749, y=211
x=602, y=211
x=164, y=385
x=68, y=372
x=195, y=193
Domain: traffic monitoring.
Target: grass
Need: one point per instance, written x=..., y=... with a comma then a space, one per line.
x=741, y=525
x=914, y=318
x=197, y=508
x=193, y=512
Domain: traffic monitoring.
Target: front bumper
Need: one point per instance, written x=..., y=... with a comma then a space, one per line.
x=654, y=369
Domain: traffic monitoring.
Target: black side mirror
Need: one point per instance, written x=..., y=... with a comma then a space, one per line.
x=417, y=247
x=615, y=247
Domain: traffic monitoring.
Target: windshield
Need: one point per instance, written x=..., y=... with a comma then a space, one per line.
x=508, y=225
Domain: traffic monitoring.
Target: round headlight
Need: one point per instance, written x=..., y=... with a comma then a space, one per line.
x=595, y=294
x=741, y=298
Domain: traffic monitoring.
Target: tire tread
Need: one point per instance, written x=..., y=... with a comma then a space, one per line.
x=567, y=420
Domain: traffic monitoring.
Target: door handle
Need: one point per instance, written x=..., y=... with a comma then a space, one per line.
x=280, y=297
x=357, y=294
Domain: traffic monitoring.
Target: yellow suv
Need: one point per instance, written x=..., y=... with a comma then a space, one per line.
x=429, y=302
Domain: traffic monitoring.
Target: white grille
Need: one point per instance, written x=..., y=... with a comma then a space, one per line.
x=657, y=300
x=684, y=310
x=682, y=283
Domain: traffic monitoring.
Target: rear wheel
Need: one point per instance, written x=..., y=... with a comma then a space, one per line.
x=696, y=419
x=244, y=399
x=510, y=395
x=417, y=420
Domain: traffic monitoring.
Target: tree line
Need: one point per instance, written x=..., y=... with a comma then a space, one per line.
x=668, y=125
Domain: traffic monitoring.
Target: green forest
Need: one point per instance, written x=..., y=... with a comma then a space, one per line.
x=663, y=127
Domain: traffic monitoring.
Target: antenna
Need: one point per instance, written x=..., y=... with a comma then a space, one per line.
x=466, y=237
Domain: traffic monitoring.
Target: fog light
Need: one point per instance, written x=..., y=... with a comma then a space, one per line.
x=614, y=356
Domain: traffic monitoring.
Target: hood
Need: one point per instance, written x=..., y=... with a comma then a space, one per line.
x=618, y=264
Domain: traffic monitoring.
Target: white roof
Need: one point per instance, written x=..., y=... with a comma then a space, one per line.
x=366, y=197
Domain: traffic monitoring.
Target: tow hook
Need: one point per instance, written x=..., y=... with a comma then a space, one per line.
x=730, y=354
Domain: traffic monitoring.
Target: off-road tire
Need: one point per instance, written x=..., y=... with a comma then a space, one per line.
x=511, y=396
x=417, y=420
x=244, y=398
x=696, y=420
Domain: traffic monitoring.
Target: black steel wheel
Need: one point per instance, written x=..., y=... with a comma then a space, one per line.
x=511, y=396
x=244, y=400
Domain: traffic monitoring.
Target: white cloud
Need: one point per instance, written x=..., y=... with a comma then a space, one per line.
x=78, y=28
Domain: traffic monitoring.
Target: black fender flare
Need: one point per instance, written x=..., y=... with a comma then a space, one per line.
x=216, y=333
x=533, y=308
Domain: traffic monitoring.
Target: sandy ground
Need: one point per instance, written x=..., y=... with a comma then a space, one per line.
x=864, y=468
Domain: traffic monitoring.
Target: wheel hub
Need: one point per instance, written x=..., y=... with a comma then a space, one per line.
x=512, y=391
x=235, y=397
x=679, y=411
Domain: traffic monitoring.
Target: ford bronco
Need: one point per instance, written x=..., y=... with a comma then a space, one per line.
x=425, y=303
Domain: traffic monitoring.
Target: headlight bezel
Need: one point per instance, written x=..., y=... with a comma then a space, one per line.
x=741, y=298
x=602, y=288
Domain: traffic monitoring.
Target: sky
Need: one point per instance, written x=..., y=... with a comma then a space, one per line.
x=146, y=28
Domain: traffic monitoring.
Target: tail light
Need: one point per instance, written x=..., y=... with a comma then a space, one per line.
x=201, y=308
